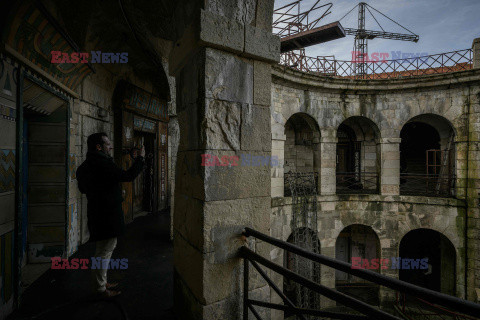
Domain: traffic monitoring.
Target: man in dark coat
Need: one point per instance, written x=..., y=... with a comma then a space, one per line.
x=100, y=179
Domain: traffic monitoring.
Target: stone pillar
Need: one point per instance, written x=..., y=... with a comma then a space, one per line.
x=327, y=275
x=476, y=53
x=317, y=161
x=389, y=249
x=472, y=185
x=278, y=151
x=389, y=166
x=328, y=151
x=223, y=77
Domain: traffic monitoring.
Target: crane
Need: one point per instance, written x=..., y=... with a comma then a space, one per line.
x=362, y=35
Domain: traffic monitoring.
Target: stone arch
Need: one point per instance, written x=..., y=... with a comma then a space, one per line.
x=358, y=241
x=301, y=296
x=302, y=146
x=358, y=156
x=427, y=156
x=431, y=265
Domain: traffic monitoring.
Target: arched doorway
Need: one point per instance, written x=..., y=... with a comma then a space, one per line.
x=357, y=241
x=141, y=118
x=300, y=295
x=302, y=149
x=357, y=156
x=427, y=157
x=440, y=252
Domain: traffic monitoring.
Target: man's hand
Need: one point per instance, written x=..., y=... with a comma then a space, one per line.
x=135, y=152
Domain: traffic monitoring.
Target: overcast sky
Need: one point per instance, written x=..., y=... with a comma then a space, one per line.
x=443, y=25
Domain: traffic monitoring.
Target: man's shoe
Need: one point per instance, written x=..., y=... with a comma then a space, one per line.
x=109, y=293
x=111, y=285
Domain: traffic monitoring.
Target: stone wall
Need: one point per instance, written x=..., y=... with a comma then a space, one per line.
x=388, y=104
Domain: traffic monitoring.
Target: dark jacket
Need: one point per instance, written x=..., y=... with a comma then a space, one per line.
x=100, y=179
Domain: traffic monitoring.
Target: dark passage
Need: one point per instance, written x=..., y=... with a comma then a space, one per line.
x=147, y=284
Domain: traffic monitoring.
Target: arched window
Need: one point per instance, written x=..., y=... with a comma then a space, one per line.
x=301, y=148
x=427, y=157
x=357, y=156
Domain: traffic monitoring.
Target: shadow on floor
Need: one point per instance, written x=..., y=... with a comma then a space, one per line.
x=146, y=285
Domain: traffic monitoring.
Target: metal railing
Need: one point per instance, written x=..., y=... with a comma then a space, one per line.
x=413, y=308
x=383, y=69
x=357, y=183
x=368, y=311
x=302, y=182
x=431, y=185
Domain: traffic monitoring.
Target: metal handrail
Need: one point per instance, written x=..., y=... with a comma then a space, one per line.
x=433, y=185
x=437, y=310
x=357, y=182
x=463, y=306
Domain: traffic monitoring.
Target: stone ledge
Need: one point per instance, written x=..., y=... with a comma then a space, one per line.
x=450, y=202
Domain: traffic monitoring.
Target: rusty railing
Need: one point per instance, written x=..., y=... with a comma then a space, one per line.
x=415, y=308
x=431, y=185
x=357, y=183
x=383, y=69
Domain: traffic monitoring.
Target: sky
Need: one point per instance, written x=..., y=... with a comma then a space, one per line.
x=443, y=25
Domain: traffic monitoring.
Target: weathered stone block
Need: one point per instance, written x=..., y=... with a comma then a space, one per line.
x=262, y=83
x=219, y=31
x=255, y=128
x=238, y=182
x=228, y=77
x=261, y=44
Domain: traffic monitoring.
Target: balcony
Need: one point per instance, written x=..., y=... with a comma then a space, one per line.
x=357, y=183
x=428, y=185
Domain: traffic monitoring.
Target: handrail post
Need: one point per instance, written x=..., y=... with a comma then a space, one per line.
x=245, y=288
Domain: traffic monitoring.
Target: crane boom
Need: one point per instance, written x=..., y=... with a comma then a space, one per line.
x=370, y=34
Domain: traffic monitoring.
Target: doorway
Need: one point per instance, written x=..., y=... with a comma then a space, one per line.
x=42, y=233
x=144, y=187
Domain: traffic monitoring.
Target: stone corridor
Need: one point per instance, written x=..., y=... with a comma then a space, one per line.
x=146, y=285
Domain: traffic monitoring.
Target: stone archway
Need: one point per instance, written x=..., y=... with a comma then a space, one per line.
x=357, y=242
x=427, y=156
x=302, y=148
x=358, y=156
x=439, y=271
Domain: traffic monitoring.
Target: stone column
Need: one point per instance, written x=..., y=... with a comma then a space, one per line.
x=317, y=161
x=389, y=249
x=223, y=77
x=476, y=53
x=390, y=166
x=471, y=181
x=328, y=151
x=278, y=153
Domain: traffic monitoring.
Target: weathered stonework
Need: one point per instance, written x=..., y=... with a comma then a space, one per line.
x=389, y=104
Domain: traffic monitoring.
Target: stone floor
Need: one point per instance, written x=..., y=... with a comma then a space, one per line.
x=147, y=284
